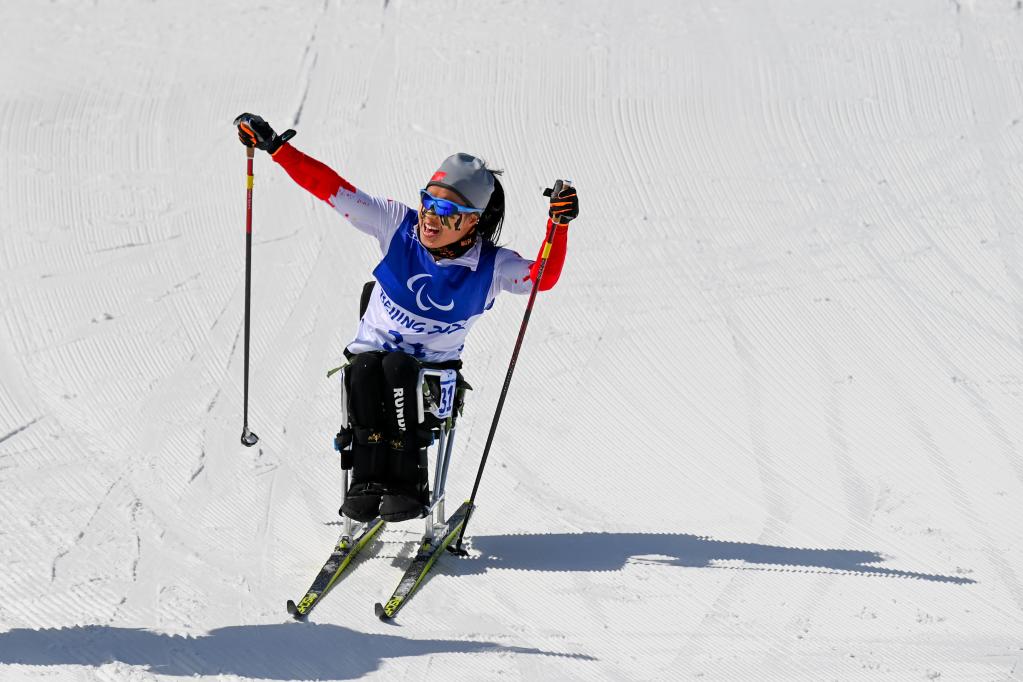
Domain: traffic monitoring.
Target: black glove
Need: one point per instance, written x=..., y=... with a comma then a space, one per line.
x=253, y=131
x=564, y=202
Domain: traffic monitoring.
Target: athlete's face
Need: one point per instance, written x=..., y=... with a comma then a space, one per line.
x=436, y=231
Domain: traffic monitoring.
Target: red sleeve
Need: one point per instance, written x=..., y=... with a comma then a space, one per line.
x=555, y=259
x=311, y=174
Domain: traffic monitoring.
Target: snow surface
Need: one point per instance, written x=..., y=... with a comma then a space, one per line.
x=766, y=427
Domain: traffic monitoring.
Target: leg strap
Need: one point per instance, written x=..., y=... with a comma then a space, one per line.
x=343, y=443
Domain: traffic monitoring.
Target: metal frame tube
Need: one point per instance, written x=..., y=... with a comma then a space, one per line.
x=443, y=454
x=443, y=480
x=447, y=459
x=438, y=489
x=344, y=472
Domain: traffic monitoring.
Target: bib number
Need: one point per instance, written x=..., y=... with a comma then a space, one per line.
x=448, y=381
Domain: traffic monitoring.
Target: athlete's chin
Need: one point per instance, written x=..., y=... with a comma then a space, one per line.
x=429, y=238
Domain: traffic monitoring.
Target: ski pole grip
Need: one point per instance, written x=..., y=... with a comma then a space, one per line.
x=559, y=185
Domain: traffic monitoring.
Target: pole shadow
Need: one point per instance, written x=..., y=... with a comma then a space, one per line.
x=611, y=551
x=287, y=651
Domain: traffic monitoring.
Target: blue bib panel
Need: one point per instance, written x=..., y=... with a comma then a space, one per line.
x=412, y=279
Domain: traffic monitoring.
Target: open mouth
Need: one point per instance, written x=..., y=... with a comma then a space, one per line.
x=430, y=231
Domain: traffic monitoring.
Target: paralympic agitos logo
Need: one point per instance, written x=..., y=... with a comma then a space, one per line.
x=419, y=294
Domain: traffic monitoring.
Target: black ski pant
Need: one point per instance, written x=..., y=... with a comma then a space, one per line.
x=383, y=411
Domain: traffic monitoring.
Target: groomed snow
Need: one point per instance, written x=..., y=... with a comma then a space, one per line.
x=767, y=426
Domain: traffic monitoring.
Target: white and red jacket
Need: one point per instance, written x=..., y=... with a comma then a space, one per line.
x=420, y=306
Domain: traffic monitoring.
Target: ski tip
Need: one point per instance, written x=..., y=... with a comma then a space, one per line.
x=293, y=610
x=378, y=608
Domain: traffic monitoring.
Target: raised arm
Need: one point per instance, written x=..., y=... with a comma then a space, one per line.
x=375, y=216
x=516, y=274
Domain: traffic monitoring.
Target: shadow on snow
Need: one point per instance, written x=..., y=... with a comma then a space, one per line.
x=287, y=651
x=611, y=551
x=292, y=651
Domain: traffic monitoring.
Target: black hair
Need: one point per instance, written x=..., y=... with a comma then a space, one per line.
x=492, y=218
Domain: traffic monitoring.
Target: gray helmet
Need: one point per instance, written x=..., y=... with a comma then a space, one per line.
x=466, y=176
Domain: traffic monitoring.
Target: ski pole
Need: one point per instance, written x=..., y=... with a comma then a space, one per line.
x=248, y=438
x=457, y=549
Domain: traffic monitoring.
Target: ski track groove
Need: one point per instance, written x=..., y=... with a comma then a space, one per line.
x=778, y=508
x=938, y=459
x=308, y=65
x=986, y=413
x=853, y=487
x=936, y=329
x=20, y=429
x=993, y=172
x=856, y=497
x=82, y=531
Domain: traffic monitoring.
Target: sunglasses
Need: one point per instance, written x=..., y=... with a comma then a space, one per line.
x=443, y=207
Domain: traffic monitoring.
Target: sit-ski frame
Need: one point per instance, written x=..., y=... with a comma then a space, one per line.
x=445, y=441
